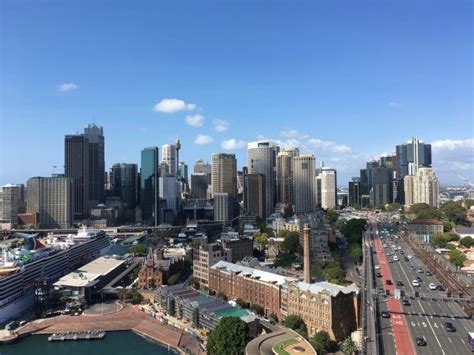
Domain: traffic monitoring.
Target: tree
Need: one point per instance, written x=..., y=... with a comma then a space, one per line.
x=423, y=210
x=454, y=212
x=322, y=343
x=241, y=303
x=230, y=336
x=332, y=216
x=393, y=207
x=261, y=238
x=457, y=258
x=256, y=308
x=340, y=223
x=467, y=242
x=353, y=229
x=291, y=243
x=447, y=225
x=222, y=295
x=355, y=251
x=297, y=324
x=348, y=346
x=174, y=279
x=138, y=249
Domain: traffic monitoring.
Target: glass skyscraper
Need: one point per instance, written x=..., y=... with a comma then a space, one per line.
x=149, y=192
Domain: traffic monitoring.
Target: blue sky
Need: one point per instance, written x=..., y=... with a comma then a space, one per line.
x=345, y=80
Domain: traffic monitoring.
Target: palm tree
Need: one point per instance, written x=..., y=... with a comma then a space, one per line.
x=348, y=346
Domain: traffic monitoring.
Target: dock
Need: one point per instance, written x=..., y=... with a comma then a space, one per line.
x=87, y=335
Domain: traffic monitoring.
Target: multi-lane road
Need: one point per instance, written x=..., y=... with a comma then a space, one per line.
x=423, y=318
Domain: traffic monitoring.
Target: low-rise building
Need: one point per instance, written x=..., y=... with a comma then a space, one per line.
x=155, y=270
x=423, y=229
x=206, y=256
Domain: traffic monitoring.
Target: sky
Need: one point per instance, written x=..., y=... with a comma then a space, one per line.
x=343, y=80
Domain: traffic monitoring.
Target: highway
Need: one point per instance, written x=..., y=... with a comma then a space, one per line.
x=424, y=318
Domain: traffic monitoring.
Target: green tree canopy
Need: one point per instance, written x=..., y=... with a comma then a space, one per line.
x=332, y=216
x=393, y=207
x=241, y=303
x=291, y=243
x=296, y=323
x=457, y=258
x=467, y=241
x=340, y=223
x=353, y=229
x=322, y=343
x=454, y=212
x=230, y=336
x=257, y=309
x=348, y=346
x=423, y=210
x=138, y=249
x=355, y=251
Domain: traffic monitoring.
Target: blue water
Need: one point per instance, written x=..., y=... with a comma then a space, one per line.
x=114, y=343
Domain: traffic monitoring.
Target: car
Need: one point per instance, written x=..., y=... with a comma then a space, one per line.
x=406, y=302
x=399, y=283
x=420, y=270
x=385, y=314
x=406, y=259
x=440, y=288
x=377, y=267
x=428, y=273
x=402, y=252
x=378, y=274
x=389, y=282
x=420, y=341
x=418, y=278
x=395, y=258
x=390, y=261
x=415, y=283
x=449, y=327
x=432, y=286
x=410, y=256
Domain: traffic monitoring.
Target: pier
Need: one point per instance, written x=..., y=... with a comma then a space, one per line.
x=88, y=335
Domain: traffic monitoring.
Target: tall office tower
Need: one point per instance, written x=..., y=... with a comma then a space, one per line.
x=328, y=188
x=262, y=160
x=95, y=137
x=306, y=254
x=422, y=188
x=382, y=187
x=304, y=180
x=240, y=182
x=125, y=183
x=109, y=183
x=169, y=157
x=223, y=207
x=182, y=172
x=284, y=175
x=10, y=200
x=355, y=192
x=199, y=184
x=369, y=171
x=77, y=167
x=256, y=194
x=317, y=182
x=53, y=198
x=149, y=189
x=224, y=174
x=170, y=193
x=201, y=167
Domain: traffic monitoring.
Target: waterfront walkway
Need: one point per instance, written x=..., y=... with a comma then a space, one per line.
x=128, y=318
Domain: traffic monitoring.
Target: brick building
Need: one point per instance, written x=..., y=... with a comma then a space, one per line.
x=154, y=271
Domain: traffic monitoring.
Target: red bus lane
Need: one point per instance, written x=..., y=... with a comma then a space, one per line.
x=401, y=335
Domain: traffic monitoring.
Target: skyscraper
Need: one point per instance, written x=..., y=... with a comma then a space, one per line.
x=304, y=184
x=422, y=188
x=170, y=158
x=53, y=198
x=328, y=188
x=149, y=190
x=382, y=187
x=262, y=160
x=224, y=174
x=355, y=192
x=76, y=167
x=284, y=175
x=199, y=184
x=95, y=137
x=10, y=199
x=125, y=183
x=255, y=194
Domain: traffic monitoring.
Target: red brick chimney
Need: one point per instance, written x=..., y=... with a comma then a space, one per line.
x=306, y=257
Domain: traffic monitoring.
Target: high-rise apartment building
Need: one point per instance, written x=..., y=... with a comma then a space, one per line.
x=223, y=207
x=10, y=199
x=304, y=189
x=284, y=175
x=262, y=160
x=422, y=188
x=328, y=188
x=125, y=183
x=149, y=190
x=53, y=198
x=255, y=194
x=170, y=158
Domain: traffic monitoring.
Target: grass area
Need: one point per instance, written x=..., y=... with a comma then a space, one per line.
x=279, y=348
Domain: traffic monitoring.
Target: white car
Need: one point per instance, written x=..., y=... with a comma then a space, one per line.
x=415, y=283
x=432, y=286
x=410, y=256
x=395, y=258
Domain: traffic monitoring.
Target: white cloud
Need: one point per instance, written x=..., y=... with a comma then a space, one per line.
x=232, y=144
x=67, y=87
x=195, y=120
x=394, y=104
x=220, y=125
x=173, y=105
x=293, y=133
x=328, y=146
x=203, y=139
x=452, y=144
x=453, y=157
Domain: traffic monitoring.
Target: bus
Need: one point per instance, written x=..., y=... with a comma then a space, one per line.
x=470, y=340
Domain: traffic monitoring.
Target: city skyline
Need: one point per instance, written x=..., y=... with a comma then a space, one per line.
x=220, y=77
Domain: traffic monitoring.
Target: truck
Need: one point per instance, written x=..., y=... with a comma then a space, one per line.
x=470, y=340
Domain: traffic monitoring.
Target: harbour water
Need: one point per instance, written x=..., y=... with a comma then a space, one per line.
x=116, y=343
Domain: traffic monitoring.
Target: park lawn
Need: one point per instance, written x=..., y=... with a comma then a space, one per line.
x=279, y=348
